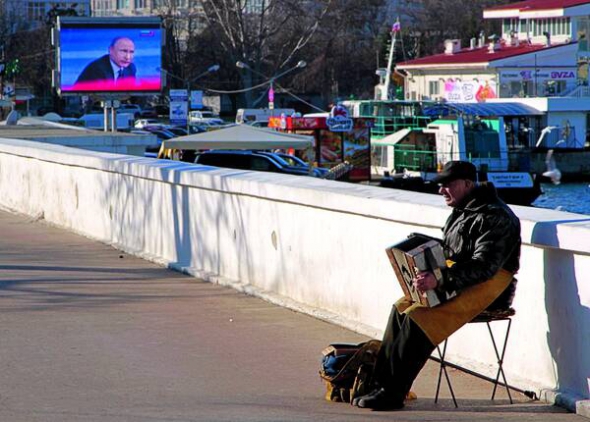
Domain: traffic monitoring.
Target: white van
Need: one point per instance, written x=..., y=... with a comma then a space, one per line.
x=204, y=117
x=260, y=115
x=96, y=121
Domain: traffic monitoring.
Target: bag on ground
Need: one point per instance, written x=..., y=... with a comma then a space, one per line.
x=347, y=369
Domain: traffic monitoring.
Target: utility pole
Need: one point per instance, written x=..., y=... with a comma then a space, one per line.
x=2, y=69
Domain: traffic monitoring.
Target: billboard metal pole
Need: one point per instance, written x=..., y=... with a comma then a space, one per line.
x=114, y=116
x=105, y=109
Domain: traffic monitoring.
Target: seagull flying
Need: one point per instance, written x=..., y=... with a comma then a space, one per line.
x=552, y=172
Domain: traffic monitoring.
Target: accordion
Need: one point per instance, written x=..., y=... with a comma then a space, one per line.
x=416, y=254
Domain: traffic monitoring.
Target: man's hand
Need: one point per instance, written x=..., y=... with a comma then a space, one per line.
x=425, y=281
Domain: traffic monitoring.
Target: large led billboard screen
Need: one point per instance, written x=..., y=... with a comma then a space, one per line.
x=109, y=55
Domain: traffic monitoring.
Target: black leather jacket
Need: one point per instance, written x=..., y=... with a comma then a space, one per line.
x=481, y=236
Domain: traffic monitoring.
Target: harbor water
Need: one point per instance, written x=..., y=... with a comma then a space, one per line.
x=571, y=197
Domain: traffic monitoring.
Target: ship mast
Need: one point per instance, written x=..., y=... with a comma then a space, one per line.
x=385, y=74
x=394, y=30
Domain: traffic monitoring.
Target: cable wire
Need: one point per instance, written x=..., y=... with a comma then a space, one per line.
x=238, y=91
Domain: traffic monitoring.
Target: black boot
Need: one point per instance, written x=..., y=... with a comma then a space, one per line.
x=378, y=399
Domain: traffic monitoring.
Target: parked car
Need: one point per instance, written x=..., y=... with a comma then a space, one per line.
x=205, y=126
x=140, y=123
x=150, y=150
x=160, y=131
x=250, y=160
x=162, y=110
x=177, y=130
x=292, y=161
x=149, y=112
x=130, y=108
x=197, y=117
x=42, y=111
x=197, y=129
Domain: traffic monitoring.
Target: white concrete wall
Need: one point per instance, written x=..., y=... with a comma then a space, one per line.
x=312, y=244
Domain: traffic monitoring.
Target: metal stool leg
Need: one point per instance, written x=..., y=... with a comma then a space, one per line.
x=443, y=369
x=500, y=357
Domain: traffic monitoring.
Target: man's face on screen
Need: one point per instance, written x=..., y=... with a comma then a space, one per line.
x=122, y=52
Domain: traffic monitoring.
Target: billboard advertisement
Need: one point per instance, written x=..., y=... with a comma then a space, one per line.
x=178, y=106
x=109, y=55
x=469, y=91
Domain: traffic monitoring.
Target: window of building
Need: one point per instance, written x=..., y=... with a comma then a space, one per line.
x=554, y=26
x=512, y=89
x=582, y=34
x=510, y=25
x=122, y=4
x=433, y=88
x=36, y=10
x=552, y=88
x=102, y=7
x=253, y=6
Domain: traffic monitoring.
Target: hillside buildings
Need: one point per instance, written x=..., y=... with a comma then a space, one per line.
x=23, y=15
x=542, y=51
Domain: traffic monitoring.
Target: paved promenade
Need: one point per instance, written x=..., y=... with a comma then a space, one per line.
x=92, y=334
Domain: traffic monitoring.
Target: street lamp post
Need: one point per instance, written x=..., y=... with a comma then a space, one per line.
x=271, y=91
x=187, y=83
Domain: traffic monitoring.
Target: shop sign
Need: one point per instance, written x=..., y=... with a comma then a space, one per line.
x=307, y=123
x=8, y=91
x=178, y=106
x=286, y=122
x=196, y=99
x=563, y=75
x=540, y=75
x=339, y=120
x=510, y=180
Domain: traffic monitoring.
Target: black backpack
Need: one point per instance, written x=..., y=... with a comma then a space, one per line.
x=347, y=369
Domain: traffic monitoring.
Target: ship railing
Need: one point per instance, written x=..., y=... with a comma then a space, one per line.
x=577, y=92
x=409, y=158
x=387, y=125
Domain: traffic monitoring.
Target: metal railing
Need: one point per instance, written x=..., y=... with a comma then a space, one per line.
x=384, y=126
x=577, y=92
x=410, y=158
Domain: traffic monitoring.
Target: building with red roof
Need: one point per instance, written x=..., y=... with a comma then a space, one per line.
x=542, y=51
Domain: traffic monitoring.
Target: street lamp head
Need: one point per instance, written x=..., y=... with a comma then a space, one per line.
x=301, y=64
x=242, y=65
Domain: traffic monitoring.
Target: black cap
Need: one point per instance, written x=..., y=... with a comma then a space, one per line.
x=454, y=170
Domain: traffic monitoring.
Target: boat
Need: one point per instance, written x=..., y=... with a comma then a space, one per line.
x=474, y=133
x=411, y=142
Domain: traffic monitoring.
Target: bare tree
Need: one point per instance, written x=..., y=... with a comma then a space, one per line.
x=267, y=35
x=178, y=19
x=25, y=49
x=345, y=53
x=429, y=22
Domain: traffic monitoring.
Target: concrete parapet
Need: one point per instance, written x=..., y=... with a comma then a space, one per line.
x=314, y=245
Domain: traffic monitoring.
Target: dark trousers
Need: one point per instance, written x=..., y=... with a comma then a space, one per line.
x=404, y=352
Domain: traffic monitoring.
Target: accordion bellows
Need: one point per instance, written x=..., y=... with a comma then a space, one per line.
x=413, y=255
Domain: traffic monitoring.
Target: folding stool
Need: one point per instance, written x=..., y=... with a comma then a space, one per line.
x=487, y=317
